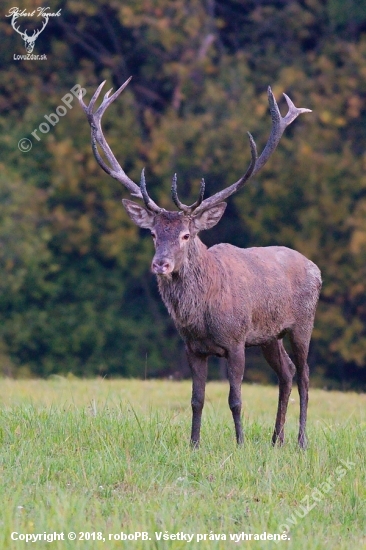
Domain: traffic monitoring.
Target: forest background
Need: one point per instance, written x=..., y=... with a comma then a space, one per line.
x=76, y=294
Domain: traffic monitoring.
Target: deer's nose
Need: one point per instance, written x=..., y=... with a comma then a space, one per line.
x=161, y=266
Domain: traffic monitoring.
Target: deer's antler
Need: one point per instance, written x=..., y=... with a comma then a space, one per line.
x=181, y=206
x=97, y=139
x=279, y=124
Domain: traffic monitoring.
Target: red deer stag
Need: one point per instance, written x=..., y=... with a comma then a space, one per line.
x=224, y=298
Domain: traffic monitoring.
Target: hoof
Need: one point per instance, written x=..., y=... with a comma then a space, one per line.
x=303, y=443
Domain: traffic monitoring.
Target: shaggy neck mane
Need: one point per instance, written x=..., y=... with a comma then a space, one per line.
x=186, y=290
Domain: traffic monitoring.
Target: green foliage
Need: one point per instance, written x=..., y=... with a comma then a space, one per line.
x=76, y=292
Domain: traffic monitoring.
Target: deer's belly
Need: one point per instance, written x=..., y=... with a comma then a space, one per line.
x=259, y=335
x=214, y=338
x=206, y=347
x=206, y=340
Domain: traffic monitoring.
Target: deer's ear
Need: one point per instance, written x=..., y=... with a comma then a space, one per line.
x=209, y=218
x=138, y=214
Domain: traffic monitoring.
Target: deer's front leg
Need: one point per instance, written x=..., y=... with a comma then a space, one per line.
x=198, y=367
x=235, y=373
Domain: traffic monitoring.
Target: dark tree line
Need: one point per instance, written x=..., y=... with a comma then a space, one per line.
x=76, y=292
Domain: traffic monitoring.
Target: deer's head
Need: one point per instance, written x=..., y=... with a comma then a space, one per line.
x=174, y=231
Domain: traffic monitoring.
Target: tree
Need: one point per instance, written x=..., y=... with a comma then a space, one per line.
x=80, y=296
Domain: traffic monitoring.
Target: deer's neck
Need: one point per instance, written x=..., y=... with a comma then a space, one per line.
x=185, y=292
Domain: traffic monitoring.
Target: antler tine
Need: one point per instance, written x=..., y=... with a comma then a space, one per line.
x=202, y=192
x=150, y=205
x=279, y=124
x=88, y=109
x=175, y=198
x=113, y=167
x=186, y=209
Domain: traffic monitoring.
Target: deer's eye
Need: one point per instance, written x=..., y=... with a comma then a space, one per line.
x=153, y=235
x=185, y=237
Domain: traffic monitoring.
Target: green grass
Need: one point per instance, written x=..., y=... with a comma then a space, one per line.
x=113, y=456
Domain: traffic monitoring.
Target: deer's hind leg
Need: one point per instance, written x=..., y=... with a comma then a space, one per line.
x=300, y=341
x=277, y=357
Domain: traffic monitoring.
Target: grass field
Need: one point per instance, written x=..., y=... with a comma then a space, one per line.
x=111, y=458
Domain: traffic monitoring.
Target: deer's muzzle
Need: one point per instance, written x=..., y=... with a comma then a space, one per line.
x=162, y=266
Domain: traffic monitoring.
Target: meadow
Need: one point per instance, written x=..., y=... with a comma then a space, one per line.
x=111, y=458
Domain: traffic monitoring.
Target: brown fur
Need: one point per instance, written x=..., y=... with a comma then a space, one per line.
x=225, y=298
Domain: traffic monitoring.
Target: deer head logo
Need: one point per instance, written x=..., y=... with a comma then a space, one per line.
x=29, y=41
